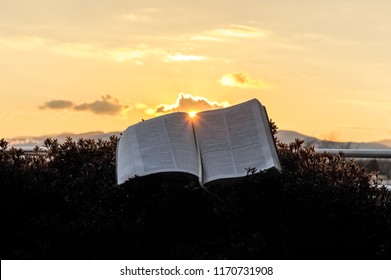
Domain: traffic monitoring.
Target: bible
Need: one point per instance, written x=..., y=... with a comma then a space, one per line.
x=213, y=145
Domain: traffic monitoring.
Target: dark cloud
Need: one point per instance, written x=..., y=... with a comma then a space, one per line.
x=187, y=103
x=57, y=104
x=107, y=105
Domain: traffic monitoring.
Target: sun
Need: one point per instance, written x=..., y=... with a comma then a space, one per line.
x=192, y=114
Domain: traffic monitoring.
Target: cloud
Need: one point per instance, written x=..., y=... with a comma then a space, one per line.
x=136, y=54
x=185, y=102
x=207, y=38
x=57, y=104
x=241, y=31
x=129, y=54
x=107, y=105
x=184, y=57
x=243, y=80
x=231, y=32
x=133, y=54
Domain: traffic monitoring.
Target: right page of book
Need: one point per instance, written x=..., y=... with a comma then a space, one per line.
x=234, y=140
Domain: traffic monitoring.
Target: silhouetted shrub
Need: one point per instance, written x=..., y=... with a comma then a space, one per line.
x=65, y=204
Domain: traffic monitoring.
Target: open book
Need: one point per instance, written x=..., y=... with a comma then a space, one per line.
x=215, y=144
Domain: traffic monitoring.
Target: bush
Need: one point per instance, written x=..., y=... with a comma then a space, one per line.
x=65, y=204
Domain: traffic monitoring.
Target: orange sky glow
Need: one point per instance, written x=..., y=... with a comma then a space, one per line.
x=321, y=68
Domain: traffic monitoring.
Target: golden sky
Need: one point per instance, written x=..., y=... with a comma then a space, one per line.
x=321, y=68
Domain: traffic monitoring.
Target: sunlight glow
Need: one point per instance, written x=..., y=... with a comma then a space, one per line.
x=192, y=114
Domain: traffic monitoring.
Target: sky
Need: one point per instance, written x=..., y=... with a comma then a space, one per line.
x=321, y=68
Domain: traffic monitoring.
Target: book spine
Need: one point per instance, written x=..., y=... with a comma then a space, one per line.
x=200, y=178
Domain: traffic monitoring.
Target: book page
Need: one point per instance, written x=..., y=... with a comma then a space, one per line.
x=234, y=139
x=162, y=144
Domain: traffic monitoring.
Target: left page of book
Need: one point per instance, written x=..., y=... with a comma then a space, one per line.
x=162, y=144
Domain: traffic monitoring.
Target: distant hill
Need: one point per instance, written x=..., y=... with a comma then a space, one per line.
x=386, y=142
x=286, y=136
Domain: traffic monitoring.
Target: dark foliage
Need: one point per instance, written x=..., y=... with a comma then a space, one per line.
x=381, y=166
x=65, y=204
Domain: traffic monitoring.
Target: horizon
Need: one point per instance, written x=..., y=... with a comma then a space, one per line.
x=320, y=69
x=288, y=136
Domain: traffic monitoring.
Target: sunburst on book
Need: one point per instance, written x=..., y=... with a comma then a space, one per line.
x=192, y=114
